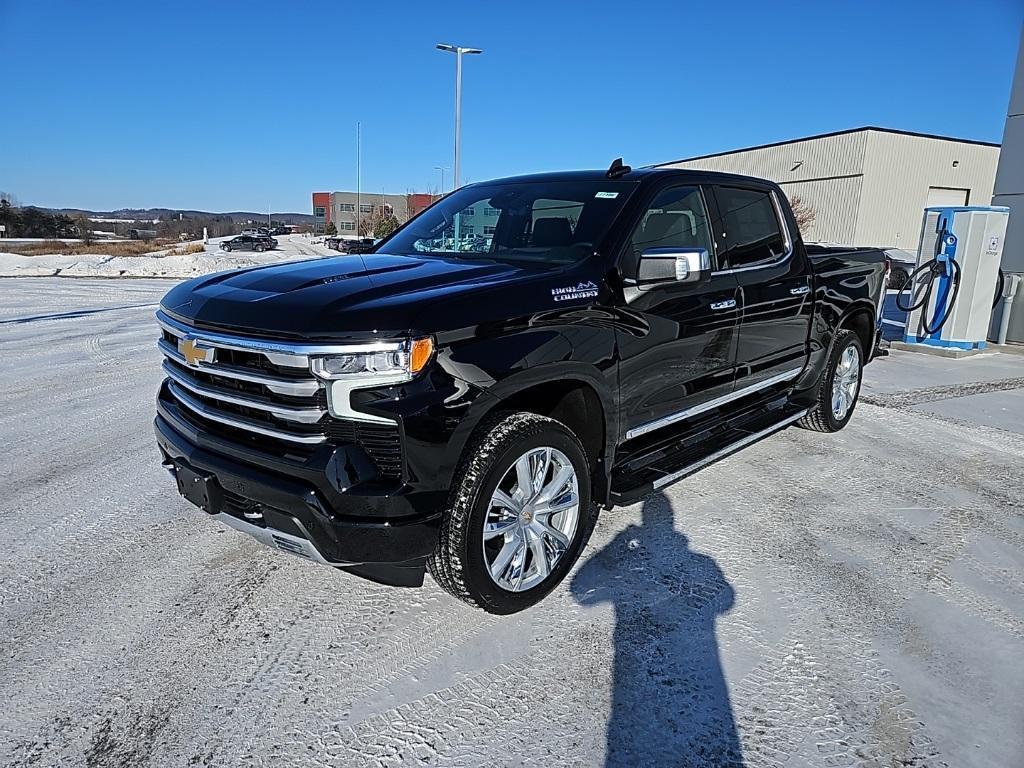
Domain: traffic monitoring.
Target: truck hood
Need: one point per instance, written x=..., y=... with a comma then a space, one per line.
x=368, y=295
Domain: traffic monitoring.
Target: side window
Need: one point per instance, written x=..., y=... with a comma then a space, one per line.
x=750, y=226
x=676, y=219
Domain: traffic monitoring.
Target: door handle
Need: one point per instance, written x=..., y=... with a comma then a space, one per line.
x=803, y=289
x=727, y=304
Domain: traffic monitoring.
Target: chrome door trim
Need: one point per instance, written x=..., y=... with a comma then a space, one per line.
x=731, y=448
x=686, y=413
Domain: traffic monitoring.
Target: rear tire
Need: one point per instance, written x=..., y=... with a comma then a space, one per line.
x=839, y=385
x=502, y=546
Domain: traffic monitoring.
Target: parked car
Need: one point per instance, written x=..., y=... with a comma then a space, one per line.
x=358, y=245
x=249, y=243
x=469, y=412
x=903, y=264
x=350, y=244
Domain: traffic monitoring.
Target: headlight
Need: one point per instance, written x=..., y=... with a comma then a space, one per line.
x=392, y=363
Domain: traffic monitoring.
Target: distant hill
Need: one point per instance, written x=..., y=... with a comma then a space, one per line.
x=167, y=214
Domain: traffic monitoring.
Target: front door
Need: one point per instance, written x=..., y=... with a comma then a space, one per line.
x=774, y=281
x=678, y=345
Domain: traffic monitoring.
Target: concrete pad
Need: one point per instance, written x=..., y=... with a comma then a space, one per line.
x=905, y=370
x=1002, y=410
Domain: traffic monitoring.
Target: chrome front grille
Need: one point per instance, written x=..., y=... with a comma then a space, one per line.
x=241, y=385
x=262, y=393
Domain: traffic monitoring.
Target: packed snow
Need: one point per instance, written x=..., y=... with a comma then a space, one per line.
x=158, y=263
x=814, y=600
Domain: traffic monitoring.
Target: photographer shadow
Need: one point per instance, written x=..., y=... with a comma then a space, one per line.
x=670, y=703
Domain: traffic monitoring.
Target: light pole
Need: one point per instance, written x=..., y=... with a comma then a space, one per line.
x=442, y=169
x=359, y=175
x=458, y=51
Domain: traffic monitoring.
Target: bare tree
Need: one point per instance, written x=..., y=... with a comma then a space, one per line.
x=369, y=222
x=84, y=228
x=803, y=212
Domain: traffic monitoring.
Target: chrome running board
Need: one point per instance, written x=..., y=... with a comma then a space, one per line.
x=721, y=453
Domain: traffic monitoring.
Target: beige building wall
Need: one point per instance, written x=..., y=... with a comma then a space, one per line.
x=824, y=172
x=900, y=171
x=867, y=187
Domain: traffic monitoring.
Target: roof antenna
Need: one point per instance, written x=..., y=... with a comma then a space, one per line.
x=617, y=169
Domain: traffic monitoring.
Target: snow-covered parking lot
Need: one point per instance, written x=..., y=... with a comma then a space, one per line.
x=816, y=600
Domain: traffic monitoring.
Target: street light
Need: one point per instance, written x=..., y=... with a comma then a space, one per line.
x=458, y=51
x=442, y=169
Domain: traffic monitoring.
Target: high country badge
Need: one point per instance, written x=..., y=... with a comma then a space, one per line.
x=585, y=290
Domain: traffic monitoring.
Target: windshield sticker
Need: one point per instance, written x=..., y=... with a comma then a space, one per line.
x=585, y=290
x=607, y=195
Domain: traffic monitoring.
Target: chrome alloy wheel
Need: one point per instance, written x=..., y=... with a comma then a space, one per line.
x=845, y=382
x=532, y=519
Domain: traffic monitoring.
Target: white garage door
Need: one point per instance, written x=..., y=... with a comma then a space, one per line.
x=945, y=196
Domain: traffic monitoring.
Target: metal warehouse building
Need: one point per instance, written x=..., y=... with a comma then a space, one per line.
x=867, y=186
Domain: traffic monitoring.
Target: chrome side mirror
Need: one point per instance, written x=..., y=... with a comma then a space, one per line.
x=672, y=265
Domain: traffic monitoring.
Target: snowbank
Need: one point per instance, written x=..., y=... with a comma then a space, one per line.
x=156, y=264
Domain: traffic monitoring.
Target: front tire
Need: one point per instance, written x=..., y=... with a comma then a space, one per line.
x=839, y=385
x=226, y=248
x=519, y=514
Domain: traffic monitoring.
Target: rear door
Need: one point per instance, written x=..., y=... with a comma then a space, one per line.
x=678, y=348
x=774, y=280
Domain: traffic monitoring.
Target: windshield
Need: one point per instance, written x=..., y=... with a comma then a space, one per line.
x=556, y=223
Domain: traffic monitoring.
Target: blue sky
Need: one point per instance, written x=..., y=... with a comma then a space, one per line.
x=231, y=106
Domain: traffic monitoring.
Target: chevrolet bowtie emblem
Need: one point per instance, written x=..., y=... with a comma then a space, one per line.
x=194, y=353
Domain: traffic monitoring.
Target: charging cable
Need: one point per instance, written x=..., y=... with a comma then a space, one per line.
x=944, y=265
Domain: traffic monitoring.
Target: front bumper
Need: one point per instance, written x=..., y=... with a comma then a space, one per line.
x=264, y=503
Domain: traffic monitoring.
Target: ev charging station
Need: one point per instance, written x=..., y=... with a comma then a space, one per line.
x=957, y=271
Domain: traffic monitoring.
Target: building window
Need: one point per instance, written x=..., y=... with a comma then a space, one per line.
x=467, y=229
x=348, y=226
x=366, y=209
x=319, y=211
x=347, y=207
x=491, y=211
x=468, y=211
x=488, y=230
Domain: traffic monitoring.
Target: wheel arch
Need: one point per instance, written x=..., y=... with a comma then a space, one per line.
x=860, y=318
x=571, y=394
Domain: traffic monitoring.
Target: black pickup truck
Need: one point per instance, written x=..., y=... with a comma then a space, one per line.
x=520, y=354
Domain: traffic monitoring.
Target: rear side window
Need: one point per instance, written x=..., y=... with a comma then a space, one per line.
x=750, y=226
